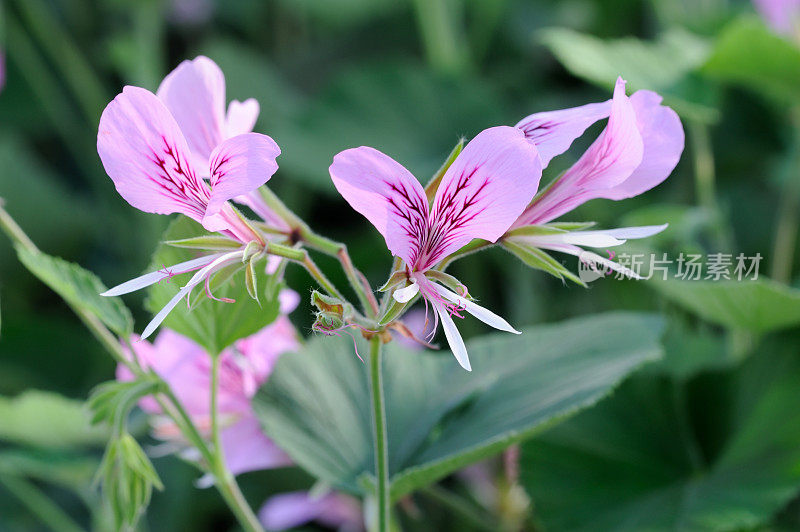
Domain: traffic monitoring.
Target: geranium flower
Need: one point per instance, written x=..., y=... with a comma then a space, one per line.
x=637, y=150
x=290, y=510
x=147, y=156
x=186, y=368
x=783, y=16
x=195, y=95
x=480, y=196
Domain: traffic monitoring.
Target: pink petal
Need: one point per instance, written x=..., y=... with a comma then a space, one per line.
x=386, y=194
x=145, y=154
x=241, y=117
x=485, y=189
x=554, y=131
x=195, y=95
x=609, y=161
x=240, y=165
x=246, y=448
x=290, y=510
x=663, y=138
x=781, y=15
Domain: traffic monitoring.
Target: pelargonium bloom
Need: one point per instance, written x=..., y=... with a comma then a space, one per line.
x=637, y=150
x=194, y=92
x=186, y=368
x=783, y=16
x=147, y=157
x=290, y=510
x=480, y=196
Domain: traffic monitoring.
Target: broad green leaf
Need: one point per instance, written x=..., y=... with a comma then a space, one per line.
x=690, y=349
x=758, y=306
x=78, y=287
x=213, y=324
x=748, y=53
x=639, y=461
x=664, y=66
x=440, y=417
x=43, y=419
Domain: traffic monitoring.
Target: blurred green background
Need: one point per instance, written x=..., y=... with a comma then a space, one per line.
x=410, y=77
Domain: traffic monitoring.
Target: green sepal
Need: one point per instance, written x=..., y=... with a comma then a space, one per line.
x=250, y=279
x=394, y=311
x=209, y=242
x=540, y=260
x=536, y=230
x=395, y=279
x=449, y=281
x=433, y=184
x=571, y=226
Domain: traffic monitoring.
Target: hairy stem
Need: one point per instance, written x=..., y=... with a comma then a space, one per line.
x=381, y=444
x=224, y=480
x=301, y=256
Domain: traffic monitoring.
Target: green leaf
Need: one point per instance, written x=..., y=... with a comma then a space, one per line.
x=639, y=461
x=44, y=419
x=665, y=65
x=213, y=324
x=67, y=469
x=440, y=417
x=78, y=287
x=758, y=306
x=749, y=54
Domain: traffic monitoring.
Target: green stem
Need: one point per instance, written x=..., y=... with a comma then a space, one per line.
x=225, y=482
x=301, y=257
x=357, y=279
x=703, y=165
x=788, y=213
x=325, y=245
x=381, y=444
x=39, y=504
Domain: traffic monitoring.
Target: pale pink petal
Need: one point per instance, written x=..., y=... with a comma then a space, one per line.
x=554, y=131
x=257, y=204
x=485, y=315
x=290, y=510
x=485, y=189
x=145, y=154
x=594, y=257
x=195, y=95
x=241, y=117
x=288, y=300
x=196, y=279
x=240, y=165
x=154, y=277
x=633, y=233
x=663, y=139
x=454, y=338
x=246, y=448
x=263, y=349
x=609, y=161
x=384, y=192
x=782, y=15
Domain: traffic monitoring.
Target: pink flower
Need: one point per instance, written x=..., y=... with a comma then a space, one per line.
x=290, y=510
x=147, y=154
x=195, y=95
x=186, y=368
x=638, y=149
x=783, y=16
x=480, y=196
